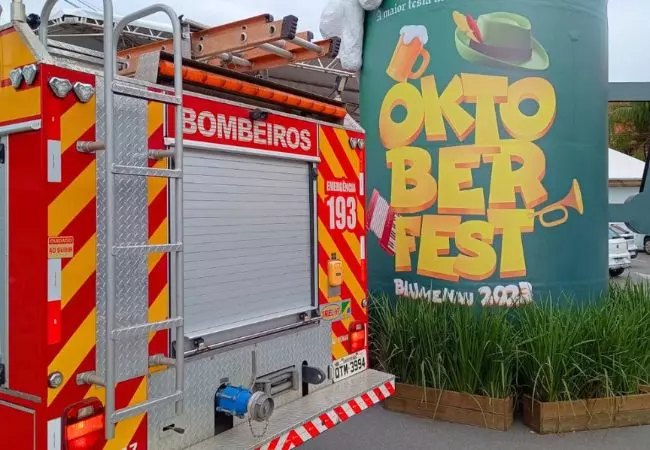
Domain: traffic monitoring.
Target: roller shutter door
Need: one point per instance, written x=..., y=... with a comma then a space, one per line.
x=247, y=240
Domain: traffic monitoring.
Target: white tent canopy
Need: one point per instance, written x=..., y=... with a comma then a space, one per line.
x=624, y=167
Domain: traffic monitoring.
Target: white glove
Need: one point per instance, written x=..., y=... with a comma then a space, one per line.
x=344, y=19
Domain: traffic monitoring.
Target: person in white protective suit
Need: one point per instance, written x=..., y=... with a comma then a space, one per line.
x=344, y=18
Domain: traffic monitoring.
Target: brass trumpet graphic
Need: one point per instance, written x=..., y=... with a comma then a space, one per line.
x=572, y=200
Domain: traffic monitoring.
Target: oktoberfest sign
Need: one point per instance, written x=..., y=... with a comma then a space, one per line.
x=463, y=183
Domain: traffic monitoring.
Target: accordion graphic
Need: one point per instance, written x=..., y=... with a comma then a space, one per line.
x=381, y=221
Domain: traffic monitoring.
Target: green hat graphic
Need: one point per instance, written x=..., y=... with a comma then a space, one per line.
x=499, y=39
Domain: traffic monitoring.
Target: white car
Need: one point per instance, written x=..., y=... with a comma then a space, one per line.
x=619, y=256
x=642, y=241
x=629, y=237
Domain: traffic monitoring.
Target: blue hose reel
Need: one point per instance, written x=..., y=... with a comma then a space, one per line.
x=238, y=401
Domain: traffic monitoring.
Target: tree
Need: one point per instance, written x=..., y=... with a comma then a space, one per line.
x=629, y=127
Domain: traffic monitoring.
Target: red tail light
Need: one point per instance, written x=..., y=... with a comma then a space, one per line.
x=83, y=425
x=357, y=336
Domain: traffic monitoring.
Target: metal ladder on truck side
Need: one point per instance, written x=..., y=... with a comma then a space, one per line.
x=115, y=85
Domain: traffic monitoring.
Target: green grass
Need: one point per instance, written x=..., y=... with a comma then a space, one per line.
x=554, y=353
x=444, y=346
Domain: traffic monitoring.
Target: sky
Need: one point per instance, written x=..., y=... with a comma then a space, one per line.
x=629, y=58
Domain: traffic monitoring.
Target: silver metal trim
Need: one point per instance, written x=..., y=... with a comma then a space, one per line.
x=90, y=147
x=134, y=410
x=146, y=171
x=161, y=360
x=20, y=395
x=90, y=378
x=119, y=333
x=18, y=11
x=76, y=56
x=244, y=151
x=251, y=337
x=160, y=154
x=53, y=161
x=282, y=53
x=251, y=321
x=157, y=248
x=132, y=91
x=55, y=380
x=314, y=255
x=31, y=125
x=308, y=45
x=54, y=45
x=230, y=58
x=144, y=84
x=19, y=408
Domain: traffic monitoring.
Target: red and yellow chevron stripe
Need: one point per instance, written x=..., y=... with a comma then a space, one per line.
x=26, y=101
x=72, y=212
x=158, y=234
x=341, y=163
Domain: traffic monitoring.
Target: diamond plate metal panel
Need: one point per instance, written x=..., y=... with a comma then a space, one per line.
x=100, y=350
x=203, y=377
x=147, y=172
x=131, y=303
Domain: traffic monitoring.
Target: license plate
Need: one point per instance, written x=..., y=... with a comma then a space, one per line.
x=348, y=366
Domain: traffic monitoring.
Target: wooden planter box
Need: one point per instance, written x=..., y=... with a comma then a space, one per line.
x=582, y=415
x=448, y=406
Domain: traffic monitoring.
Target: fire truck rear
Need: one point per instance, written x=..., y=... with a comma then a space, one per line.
x=183, y=252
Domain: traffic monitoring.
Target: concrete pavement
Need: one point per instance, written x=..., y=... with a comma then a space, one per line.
x=640, y=271
x=378, y=429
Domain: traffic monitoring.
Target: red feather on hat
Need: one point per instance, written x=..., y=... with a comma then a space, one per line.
x=474, y=27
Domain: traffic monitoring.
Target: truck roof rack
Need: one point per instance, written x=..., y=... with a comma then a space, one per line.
x=230, y=59
x=247, y=45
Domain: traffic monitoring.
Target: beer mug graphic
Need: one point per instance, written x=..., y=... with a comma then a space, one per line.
x=410, y=48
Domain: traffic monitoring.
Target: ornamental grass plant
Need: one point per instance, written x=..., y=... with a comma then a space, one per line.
x=444, y=346
x=550, y=350
x=585, y=351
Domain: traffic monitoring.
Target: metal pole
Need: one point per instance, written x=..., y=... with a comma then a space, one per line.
x=229, y=57
x=178, y=229
x=18, y=11
x=308, y=45
x=45, y=20
x=277, y=51
x=109, y=71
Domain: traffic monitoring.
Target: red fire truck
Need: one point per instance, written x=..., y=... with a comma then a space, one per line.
x=183, y=252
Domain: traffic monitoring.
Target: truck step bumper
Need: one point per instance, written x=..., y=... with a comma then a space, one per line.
x=304, y=419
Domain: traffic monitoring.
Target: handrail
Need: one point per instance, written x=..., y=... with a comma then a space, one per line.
x=176, y=32
x=176, y=293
